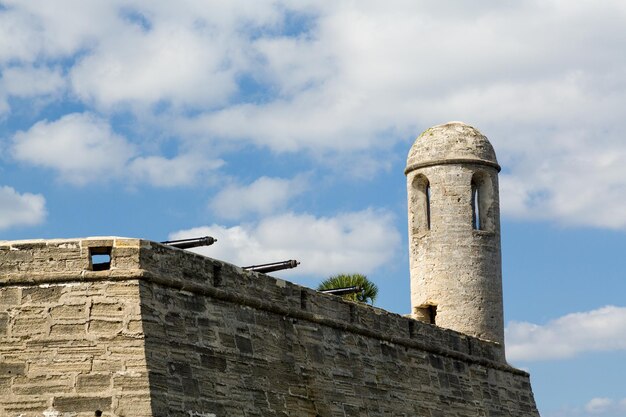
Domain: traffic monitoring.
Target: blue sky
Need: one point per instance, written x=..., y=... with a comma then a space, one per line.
x=282, y=129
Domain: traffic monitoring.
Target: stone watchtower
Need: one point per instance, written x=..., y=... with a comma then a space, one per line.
x=454, y=231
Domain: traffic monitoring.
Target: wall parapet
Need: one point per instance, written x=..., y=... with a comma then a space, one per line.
x=32, y=263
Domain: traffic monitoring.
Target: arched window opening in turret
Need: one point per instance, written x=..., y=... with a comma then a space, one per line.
x=482, y=202
x=421, y=203
x=475, y=206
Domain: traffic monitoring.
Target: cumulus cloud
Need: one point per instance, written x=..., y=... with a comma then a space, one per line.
x=39, y=29
x=143, y=53
x=579, y=180
x=356, y=78
x=20, y=209
x=595, y=407
x=598, y=330
x=599, y=406
x=365, y=70
x=32, y=81
x=40, y=83
x=350, y=242
x=368, y=76
x=167, y=64
x=263, y=196
x=178, y=171
x=139, y=52
x=83, y=148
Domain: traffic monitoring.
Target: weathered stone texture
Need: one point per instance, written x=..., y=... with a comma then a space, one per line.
x=184, y=335
x=273, y=348
x=455, y=265
x=60, y=349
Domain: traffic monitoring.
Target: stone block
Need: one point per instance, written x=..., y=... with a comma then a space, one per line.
x=107, y=365
x=107, y=310
x=79, y=404
x=10, y=369
x=59, y=367
x=42, y=385
x=135, y=406
x=15, y=406
x=131, y=381
x=5, y=385
x=29, y=326
x=64, y=312
x=244, y=345
x=43, y=294
x=68, y=331
x=105, y=328
x=4, y=324
x=133, y=326
x=93, y=382
x=10, y=297
x=211, y=361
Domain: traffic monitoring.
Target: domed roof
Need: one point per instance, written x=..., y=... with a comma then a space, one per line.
x=453, y=142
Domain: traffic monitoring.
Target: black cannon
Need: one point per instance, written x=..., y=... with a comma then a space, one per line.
x=190, y=243
x=343, y=290
x=274, y=266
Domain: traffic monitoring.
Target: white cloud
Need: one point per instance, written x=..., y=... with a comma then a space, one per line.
x=263, y=196
x=169, y=64
x=577, y=180
x=178, y=171
x=40, y=83
x=598, y=330
x=351, y=242
x=81, y=146
x=139, y=52
x=187, y=55
x=40, y=29
x=20, y=209
x=596, y=407
x=32, y=81
x=542, y=79
x=4, y=105
x=366, y=76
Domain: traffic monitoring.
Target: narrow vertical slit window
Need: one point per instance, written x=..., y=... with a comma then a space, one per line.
x=475, y=206
x=482, y=202
x=427, y=205
x=421, y=204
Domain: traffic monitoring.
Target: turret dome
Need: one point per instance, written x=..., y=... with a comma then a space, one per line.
x=453, y=142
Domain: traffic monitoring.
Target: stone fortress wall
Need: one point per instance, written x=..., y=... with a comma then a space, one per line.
x=165, y=332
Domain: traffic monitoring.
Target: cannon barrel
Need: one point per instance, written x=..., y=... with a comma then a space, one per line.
x=274, y=266
x=343, y=290
x=190, y=243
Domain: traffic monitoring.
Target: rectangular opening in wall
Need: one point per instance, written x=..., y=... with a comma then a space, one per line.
x=303, y=299
x=100, y=258
x=432, y=313
x=217, y=275
x=426, y=313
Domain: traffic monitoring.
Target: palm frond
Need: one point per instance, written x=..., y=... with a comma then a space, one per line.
x=369, y=289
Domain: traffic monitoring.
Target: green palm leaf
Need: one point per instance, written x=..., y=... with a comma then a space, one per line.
x=369, y=293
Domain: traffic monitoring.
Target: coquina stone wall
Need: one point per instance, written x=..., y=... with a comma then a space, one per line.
x=454, y=231
x=71, y=339
x=164, y=332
